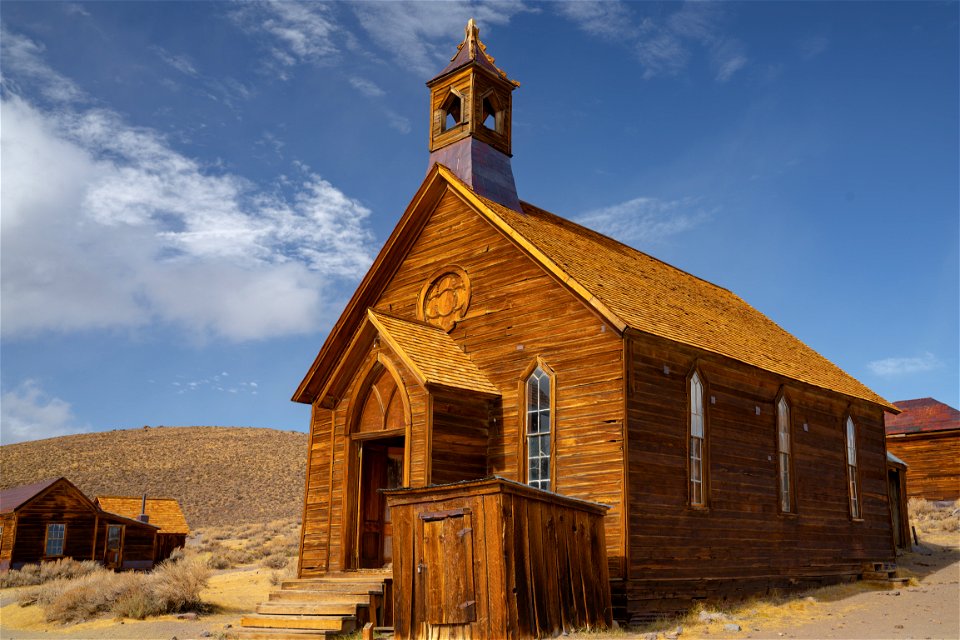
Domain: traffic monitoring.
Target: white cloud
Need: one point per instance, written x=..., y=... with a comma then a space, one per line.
x=890, y=367
x=106, y=226
x=29, y=413
x=644, y=221
x=25, y=55
x=180, y=62
x=366, y=87
x=296, y=31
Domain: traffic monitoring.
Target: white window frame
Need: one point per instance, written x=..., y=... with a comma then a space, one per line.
x=538, y=428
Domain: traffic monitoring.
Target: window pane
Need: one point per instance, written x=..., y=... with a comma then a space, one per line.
x=545, y=445
x=696, y=425
x=55, y=539
x=533, y=422
x=533, y=447
x=544, y=468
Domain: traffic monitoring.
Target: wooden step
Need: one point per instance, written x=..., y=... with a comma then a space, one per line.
x=310, y=608
x=334, y=587
x=878, y=575
x=319, y=596
x=282, y=634
x=340, y=624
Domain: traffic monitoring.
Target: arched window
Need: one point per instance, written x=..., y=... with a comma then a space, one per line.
x=382, y=407
x=852, y=468
x=785, y=456
x=697, y=429
x=539, y=427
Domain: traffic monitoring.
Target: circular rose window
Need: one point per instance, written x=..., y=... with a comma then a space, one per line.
x=445, y=297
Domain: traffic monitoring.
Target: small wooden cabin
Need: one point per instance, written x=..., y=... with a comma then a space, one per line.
x=52, y=519
x=491, y=337
x=164, y=513
x=926, y=436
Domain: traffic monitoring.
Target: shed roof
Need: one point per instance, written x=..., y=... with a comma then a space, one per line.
x=431, y=354
x=923, y=415
x=13, y=498
x=163, y=512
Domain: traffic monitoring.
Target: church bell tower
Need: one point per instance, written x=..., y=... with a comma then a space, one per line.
x=470, y=127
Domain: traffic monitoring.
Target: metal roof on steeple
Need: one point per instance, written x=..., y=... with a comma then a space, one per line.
x=472, y=50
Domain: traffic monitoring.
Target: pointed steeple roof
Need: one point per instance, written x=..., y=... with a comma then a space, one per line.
x=472, y=50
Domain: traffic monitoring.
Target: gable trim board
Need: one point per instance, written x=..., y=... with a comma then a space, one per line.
x=585, y=261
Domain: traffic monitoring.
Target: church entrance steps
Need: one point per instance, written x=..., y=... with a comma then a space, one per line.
x=316, y=607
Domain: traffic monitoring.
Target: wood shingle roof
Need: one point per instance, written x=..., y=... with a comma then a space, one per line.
x=163, y=512
x=431, y=354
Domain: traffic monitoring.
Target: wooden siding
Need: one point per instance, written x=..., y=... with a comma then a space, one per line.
x=517, y=313
x=139, y=542
x=933, y=461
x=331, y=468
x=61, y=503
x=741, y=540
x=494, y=559
x=460, y=433
x=9, y=523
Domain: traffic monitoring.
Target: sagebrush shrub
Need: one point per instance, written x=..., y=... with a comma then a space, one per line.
x=34, y=574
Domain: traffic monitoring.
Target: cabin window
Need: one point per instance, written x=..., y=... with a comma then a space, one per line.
x=785, y=456
x=852, y=468
x=55, y=535
x=538, y=429
x=696, y=441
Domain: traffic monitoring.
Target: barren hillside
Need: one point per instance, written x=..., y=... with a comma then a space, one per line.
x=220, y=475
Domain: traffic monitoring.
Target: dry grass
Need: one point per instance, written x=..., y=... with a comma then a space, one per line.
x=170, y=588
x=934, y=517
x=35, y=574
x=271, y=545
x=220, y=475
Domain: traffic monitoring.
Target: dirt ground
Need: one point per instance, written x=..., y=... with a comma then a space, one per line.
x=929, y=608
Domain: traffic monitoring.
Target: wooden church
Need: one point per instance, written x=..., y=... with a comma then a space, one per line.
x=493, y=338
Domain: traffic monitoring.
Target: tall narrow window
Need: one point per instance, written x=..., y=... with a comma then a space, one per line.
x=55, y=536
x=785, y=455
x=852, y=468
x=696, y=441
x=538, y=425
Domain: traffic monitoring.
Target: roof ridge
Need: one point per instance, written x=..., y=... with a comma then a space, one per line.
x=562, y=219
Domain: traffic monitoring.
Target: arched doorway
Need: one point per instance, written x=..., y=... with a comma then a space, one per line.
x=378, y=434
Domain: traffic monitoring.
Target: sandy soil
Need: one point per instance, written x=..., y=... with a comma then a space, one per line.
x=233, y=593
x=929, y=609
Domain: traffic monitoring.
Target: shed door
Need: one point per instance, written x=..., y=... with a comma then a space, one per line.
x=113, y=551
x=446, y=567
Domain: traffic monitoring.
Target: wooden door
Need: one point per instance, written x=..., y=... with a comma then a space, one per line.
x=445, y=572
x=381, y=467
x=893, y=482
x=113, y=547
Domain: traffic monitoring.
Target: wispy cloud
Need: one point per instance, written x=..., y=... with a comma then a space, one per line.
x=180, y=62
x=27, y=412
x=891, y=367
x=294, y=32
x=419, y=32
x=812, y=46
x=645, y=221
x=397, y=121
x=219, y=382
x=133, y=232
x=663, y=44
x=605, y=19
x=27, y=57
x=366, y=87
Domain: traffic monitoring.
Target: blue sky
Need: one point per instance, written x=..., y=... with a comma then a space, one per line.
x=191, y=191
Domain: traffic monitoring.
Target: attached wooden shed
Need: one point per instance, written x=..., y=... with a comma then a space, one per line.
x=53, y=519
x=164, y=513
x=494, y=558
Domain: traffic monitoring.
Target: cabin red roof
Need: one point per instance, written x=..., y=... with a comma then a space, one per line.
x=923, y=415
x=13, y=498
